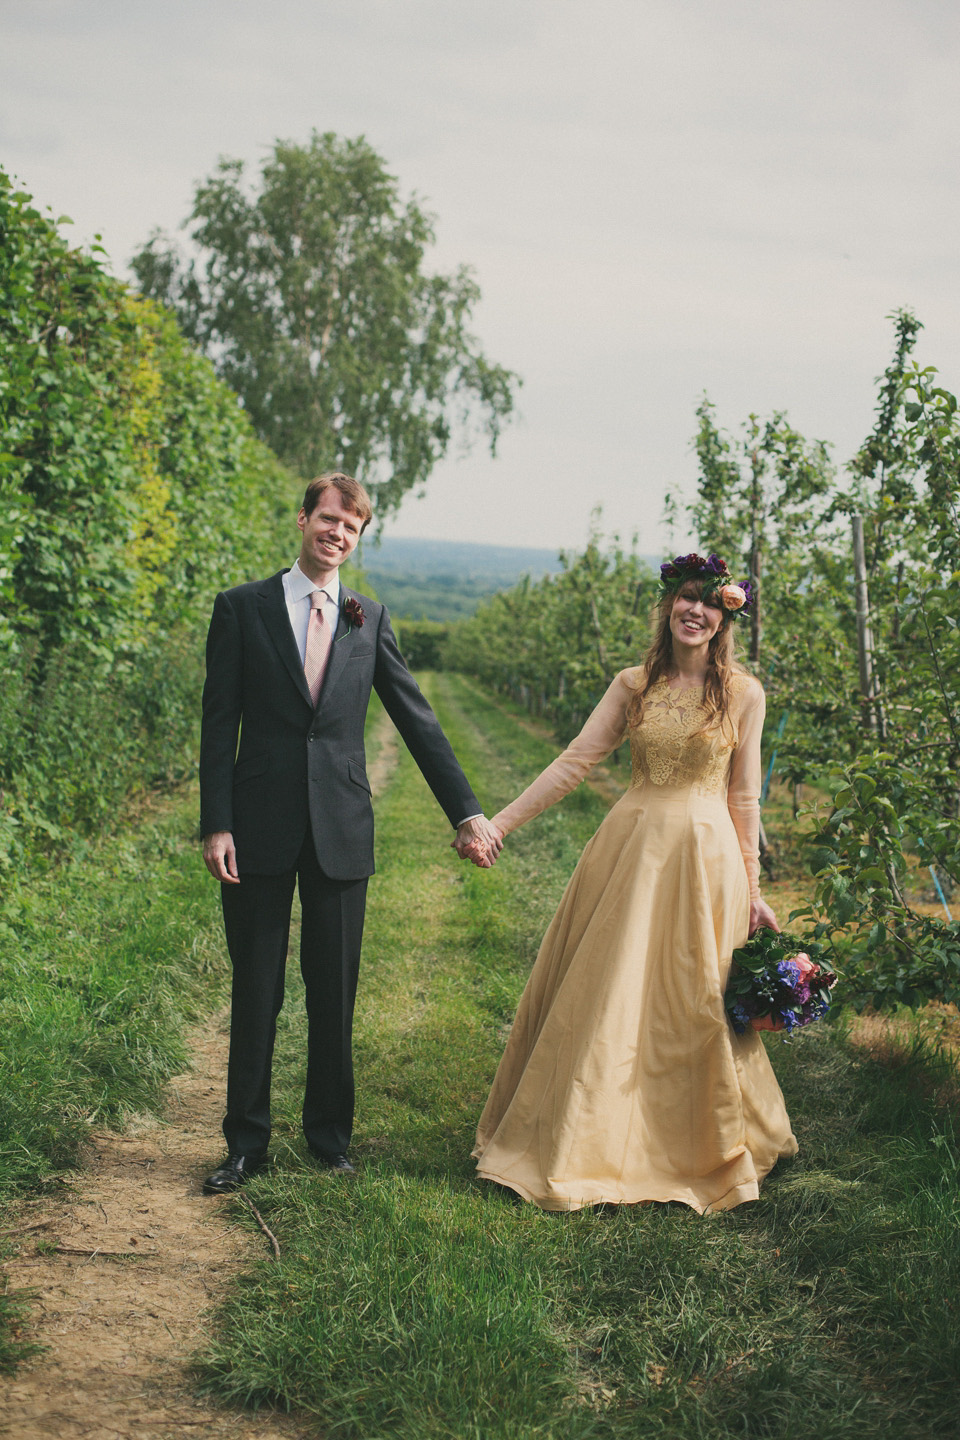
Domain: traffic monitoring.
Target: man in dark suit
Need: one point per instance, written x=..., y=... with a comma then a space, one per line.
x=291, y=662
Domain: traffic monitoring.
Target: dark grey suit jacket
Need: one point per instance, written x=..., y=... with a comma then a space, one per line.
x=295, y=766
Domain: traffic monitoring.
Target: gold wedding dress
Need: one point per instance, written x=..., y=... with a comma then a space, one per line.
x=623, y=1080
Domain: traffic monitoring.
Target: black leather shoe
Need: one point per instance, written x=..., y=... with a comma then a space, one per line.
x=338, y=1163
x=233, y=1173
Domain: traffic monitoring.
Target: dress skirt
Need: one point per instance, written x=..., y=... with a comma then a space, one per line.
x=623, y=1080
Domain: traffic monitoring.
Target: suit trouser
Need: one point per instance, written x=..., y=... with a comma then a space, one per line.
x=256, y=916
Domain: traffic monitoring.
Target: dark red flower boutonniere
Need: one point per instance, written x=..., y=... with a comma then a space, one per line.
x=353, y=613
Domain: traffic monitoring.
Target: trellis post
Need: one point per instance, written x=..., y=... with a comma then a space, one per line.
x=864, y=633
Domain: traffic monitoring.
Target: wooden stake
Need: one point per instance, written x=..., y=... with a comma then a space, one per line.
x=864, y=635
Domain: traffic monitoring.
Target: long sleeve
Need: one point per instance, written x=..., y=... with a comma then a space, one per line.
x=743, y=792
x=602, y=733
x=222, y=711
x=421, y=730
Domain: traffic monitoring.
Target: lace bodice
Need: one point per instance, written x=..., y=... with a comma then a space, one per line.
x=670, y=748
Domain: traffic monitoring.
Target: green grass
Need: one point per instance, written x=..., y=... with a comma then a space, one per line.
x=416, y=1301
x=104, y=961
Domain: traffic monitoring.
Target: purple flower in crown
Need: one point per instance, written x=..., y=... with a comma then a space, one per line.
x=693, y=561
x=715, y=565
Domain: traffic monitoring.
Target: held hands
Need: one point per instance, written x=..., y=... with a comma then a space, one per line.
x=478, y=840
x=220, y=857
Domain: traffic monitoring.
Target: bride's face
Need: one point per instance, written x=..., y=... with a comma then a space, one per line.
x=694, y=622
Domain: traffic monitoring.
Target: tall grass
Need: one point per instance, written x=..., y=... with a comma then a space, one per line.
x=104, y=961
x=416, y=1301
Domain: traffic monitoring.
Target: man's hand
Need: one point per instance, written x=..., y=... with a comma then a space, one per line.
x=479, y=841
x=762, y=917
x=220, y=857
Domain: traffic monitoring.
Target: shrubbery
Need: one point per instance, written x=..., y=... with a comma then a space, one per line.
x=131, y=490
x=555, y=644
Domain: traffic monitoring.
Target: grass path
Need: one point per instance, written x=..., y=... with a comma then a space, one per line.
x=417, y=1302
x=122, y=1258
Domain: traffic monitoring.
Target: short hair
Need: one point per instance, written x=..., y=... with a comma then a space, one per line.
x=352, y=492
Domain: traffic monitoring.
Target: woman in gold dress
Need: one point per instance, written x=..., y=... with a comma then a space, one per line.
x=622, y=1080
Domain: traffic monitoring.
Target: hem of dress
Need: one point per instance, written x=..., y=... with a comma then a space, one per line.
x=744, y=1190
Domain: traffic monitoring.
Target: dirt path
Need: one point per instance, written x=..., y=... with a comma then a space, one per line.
x=126, y=1263
x=125, y=1268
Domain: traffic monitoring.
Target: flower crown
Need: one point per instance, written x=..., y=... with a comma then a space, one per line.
x=735, y=597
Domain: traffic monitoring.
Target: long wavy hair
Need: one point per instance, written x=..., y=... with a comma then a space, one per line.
x=659, y=664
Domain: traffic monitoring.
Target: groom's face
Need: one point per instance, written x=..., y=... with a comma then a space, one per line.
x=329, y=534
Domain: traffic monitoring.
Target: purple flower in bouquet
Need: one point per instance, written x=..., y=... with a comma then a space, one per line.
x=741, y=1018
x=789, y=972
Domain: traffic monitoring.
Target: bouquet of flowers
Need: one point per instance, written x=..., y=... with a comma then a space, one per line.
x=775, y=985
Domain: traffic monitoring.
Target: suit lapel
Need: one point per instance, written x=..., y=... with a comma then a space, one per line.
x=273, y=612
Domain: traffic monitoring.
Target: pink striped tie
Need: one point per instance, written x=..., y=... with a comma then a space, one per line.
x=318, y=645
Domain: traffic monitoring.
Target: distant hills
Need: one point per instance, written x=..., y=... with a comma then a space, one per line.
x=447, y=579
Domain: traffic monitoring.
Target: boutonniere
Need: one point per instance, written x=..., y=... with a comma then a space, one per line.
x=353, y=613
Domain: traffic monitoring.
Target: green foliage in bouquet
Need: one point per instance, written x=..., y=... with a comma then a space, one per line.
x=777, y=983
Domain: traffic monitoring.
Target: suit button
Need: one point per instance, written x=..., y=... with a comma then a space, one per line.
x=309, y=737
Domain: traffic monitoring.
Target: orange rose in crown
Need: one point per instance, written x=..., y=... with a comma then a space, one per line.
x=733, y=597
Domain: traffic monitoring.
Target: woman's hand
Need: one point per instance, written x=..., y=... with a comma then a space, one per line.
x=762, y=917
x=478, y=840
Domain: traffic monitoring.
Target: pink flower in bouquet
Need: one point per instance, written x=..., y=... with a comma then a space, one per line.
x=733, y=597
x=800, y=987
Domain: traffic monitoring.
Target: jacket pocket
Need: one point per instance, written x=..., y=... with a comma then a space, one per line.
x=358, y=775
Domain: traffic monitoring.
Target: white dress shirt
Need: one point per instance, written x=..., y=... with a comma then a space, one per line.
x=297, y=589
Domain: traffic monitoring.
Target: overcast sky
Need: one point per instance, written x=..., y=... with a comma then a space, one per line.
x=659, y=198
